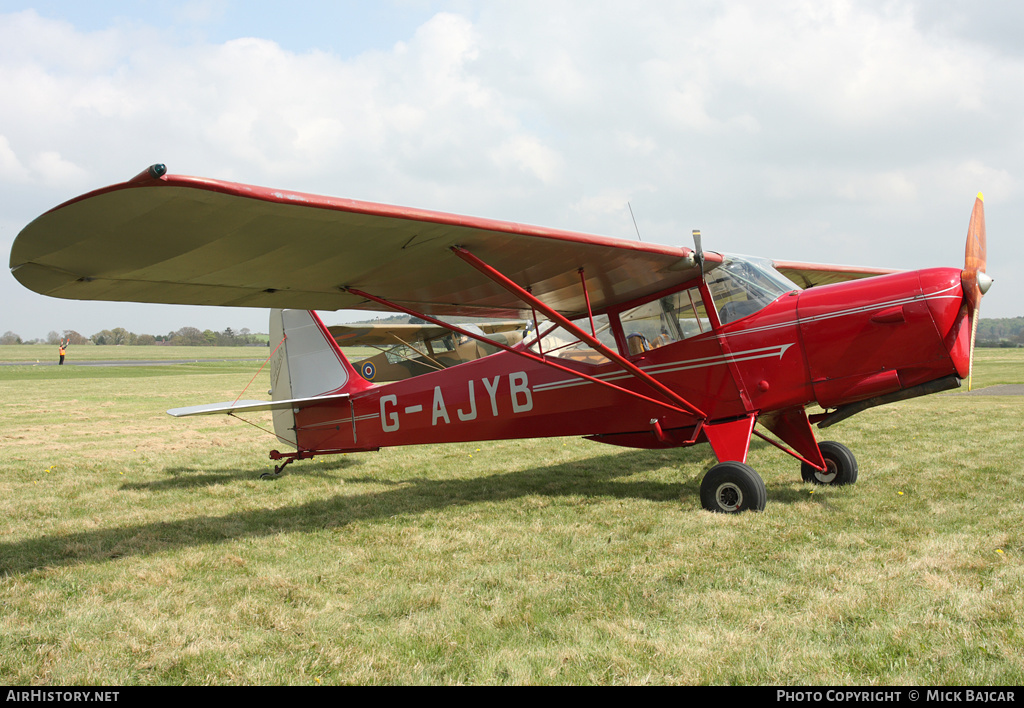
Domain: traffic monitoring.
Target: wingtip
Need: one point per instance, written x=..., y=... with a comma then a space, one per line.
x=981, y=197
x=156, y=171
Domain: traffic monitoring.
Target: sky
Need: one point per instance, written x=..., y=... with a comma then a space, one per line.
x=850, y=132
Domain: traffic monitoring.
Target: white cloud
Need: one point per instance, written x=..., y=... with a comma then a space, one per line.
x=821, y=123
x=54, y=169
x=528, y=154
x=199, y=11
x=11, y=169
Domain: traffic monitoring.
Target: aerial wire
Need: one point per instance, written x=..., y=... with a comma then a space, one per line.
x=634, y=221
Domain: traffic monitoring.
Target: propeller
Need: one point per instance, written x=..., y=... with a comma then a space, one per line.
x=973, y=278
x=698, y=252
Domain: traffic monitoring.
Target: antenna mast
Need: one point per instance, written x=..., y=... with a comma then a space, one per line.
x=634, y=221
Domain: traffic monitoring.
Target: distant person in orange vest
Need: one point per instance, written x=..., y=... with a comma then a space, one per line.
x=63, y=348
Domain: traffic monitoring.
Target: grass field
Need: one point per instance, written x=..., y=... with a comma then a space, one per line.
x=141, y=549
x=86, y=354
x=47, y=353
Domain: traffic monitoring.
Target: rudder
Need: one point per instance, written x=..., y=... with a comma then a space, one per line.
x=307, y=362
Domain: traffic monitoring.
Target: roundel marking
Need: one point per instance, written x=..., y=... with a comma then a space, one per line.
x=368, y=371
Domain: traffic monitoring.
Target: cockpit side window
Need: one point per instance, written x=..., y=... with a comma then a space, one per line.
x=400, y=353
x=555, y=341
x=439, y=345
x=741, y=286
x=668, y=319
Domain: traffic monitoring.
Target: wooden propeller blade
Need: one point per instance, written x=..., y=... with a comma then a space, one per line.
x=973, y=278
x=975, y=254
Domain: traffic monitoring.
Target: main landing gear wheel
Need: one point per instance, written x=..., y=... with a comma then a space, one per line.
x=732, y=487
x=840, y=466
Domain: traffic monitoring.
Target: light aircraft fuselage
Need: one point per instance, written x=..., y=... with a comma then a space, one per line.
x=833, y=346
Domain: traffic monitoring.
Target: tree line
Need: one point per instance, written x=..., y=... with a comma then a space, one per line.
x=992, y=332
x=1007, y=332
x=186, y=337
x=1001, y=332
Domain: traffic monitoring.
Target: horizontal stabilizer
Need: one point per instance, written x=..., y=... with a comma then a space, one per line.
x=229, y=407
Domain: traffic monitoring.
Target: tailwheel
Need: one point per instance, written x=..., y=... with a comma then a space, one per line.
x=840, y=466
x=732, y=487
x=278, y=469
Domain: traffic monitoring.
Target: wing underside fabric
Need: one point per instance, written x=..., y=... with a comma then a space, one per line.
x=195, y=241
x=188, y=240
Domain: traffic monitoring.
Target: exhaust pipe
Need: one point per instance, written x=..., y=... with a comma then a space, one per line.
x=946, y=383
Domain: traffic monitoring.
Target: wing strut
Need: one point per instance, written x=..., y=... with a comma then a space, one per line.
x=520, y=352
x=586, y=294
x=567, y=325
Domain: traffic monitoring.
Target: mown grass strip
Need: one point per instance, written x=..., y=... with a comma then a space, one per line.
x=141, y=549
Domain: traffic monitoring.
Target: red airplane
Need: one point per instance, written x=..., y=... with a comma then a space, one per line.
x=631, y=343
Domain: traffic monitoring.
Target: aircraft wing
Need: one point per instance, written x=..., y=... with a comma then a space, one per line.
x=498, y=327
x=175, y=239
x=809, y=275
x=383, y=334
x=388, y=334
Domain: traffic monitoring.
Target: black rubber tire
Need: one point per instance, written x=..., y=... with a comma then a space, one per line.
x=841, y=464
x=732, y=487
